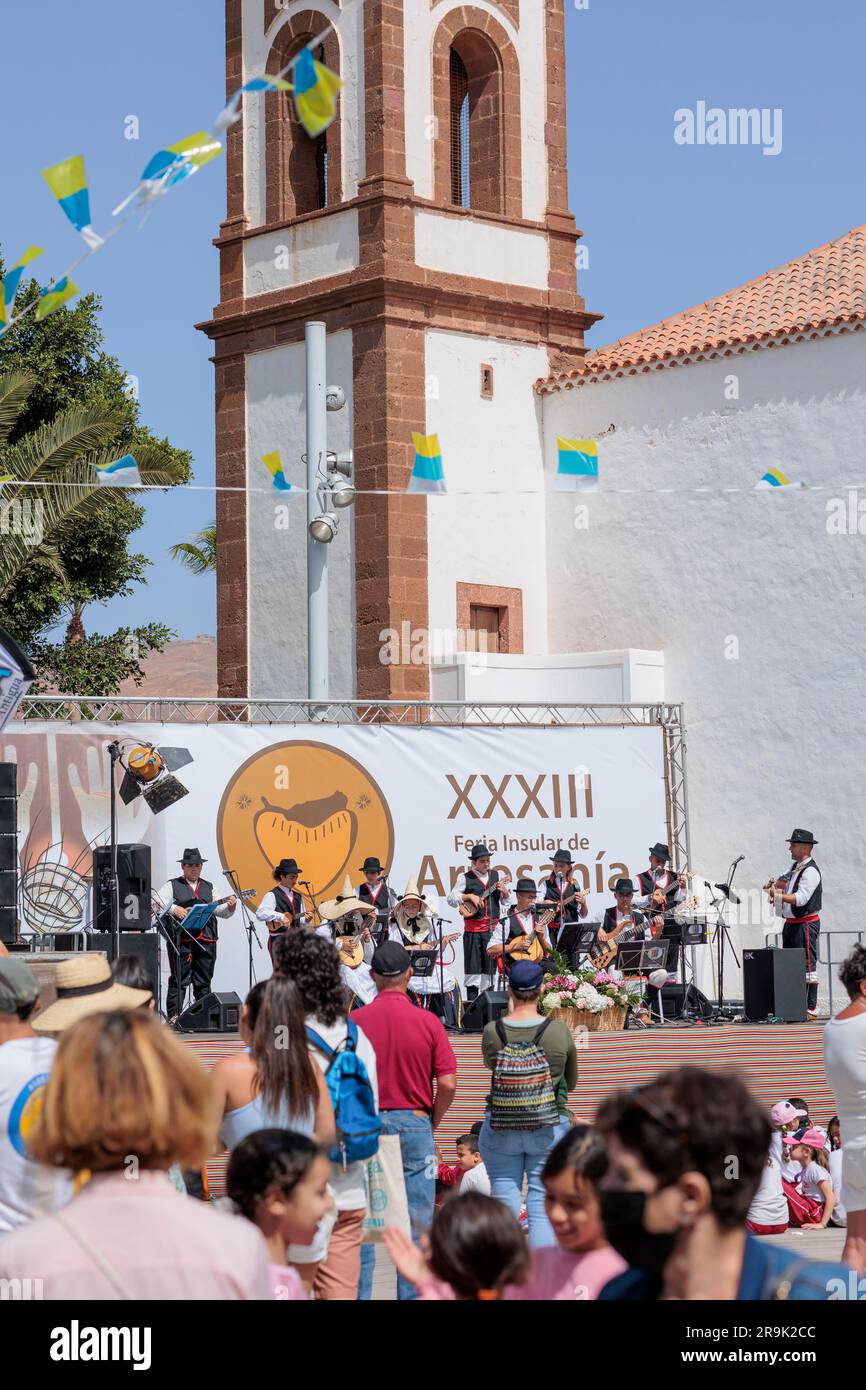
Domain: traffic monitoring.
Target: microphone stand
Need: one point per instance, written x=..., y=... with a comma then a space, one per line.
x=304, y=884
x=450, y=1027
x=722, y=935
x=248, y=920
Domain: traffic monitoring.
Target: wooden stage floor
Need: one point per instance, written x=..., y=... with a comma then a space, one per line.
x=777, y=1061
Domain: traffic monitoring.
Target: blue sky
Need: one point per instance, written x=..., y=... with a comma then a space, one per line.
x=666, y=226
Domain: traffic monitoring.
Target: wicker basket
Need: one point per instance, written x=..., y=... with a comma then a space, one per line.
x=609, y=1021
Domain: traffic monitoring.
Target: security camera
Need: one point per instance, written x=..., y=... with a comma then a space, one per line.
x=335, y=397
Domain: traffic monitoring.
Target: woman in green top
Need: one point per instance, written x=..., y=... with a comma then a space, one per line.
x=510, y=1155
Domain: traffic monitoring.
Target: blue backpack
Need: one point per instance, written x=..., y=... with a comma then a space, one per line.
x=358, y=1123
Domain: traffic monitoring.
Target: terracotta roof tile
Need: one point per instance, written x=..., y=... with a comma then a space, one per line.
x=823, y=289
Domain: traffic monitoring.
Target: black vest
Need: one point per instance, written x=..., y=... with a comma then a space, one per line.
x=515, y=926
x=491, y=907
x=383, y=904
x=571, y=911
x=647, y=884
x=814, y=903
x=287, y=901
x=185, y=897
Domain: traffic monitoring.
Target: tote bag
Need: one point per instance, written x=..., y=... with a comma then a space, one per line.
x=387, y=1204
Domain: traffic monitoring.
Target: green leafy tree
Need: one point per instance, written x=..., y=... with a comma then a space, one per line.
x=199, y=554
x=66, y=405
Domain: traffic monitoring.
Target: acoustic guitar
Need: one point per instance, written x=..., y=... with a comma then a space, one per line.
x=530, y=946
x=473, y=907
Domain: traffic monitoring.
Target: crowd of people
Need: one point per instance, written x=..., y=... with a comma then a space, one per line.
x=108, y=1123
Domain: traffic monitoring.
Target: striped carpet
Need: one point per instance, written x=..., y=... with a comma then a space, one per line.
x=781, y=1061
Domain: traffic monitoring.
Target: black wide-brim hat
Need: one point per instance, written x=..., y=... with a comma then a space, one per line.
x=660, y=851
x=480, y=852
x=802, y=837
x=371, y=866
x=192, y=856
x=526, y=885
x=562, y=856
x=287, y=866
x=623, y=885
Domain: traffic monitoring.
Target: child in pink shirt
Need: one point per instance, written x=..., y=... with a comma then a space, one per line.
x=475, y=1248
x=279, y=1181
x=582, y=1261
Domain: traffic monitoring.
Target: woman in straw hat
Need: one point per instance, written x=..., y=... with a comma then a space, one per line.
x=127, y=1099
x=350, y=920
x=85, y=986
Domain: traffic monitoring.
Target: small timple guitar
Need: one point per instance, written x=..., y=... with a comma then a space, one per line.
x=476, y=901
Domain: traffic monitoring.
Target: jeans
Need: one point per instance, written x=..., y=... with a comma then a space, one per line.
x=419, y=1171
x=509, y=1155
x=368, y=1267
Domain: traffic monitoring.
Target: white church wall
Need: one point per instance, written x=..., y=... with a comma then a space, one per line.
x=256, y=51
x=302, y=252
x=495, y=539
x=758, y=608
x=599, y=678
x=278, y=557
x=420, y=22
x=487, y=250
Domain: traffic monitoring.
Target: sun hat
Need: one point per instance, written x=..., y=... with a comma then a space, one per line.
x=84, y=987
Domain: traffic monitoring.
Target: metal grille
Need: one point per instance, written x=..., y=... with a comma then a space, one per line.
x=459, y=132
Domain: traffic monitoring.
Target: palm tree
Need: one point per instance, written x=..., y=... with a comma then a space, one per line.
x=199, y=554
x=35, y=519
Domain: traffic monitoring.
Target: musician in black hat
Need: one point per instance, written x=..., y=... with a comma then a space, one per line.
x=375, y=891
x=523, y=935
x=191, y=955
x=800, y=891
x=658, y=886
x=624, y=922
x=561, y=888
x=482, y=897
x=283, y=907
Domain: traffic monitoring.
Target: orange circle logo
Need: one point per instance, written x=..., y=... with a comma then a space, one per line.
x=308, y=802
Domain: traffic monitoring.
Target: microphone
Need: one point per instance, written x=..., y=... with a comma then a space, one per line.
x=739, y=859
x=304, y=883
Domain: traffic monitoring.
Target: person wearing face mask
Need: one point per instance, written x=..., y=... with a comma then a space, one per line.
x=686, y=1155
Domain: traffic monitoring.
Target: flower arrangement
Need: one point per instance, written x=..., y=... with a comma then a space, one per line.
x=586, y=989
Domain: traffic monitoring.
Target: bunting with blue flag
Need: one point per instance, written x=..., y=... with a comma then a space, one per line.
x=68, y=182
x=316, y=89
x=274, y=464
x=577, y=465
x=427, y=472
x=232, y=110
x=122, y=472
x=53, y=296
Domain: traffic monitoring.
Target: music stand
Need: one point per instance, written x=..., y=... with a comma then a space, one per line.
x=719, y=900
x=577, y=939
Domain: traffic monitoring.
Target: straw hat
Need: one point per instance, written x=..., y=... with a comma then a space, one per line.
x=85, y=987
x=344, y=904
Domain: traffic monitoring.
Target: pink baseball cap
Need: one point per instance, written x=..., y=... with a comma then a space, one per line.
x=784, y=1113
x=814, y=1137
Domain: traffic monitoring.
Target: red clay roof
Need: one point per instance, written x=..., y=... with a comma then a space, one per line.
x=820, y=290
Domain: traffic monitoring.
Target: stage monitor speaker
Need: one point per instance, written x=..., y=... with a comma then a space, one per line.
x=8, y=781
x=677, y=1002
x=488, y=1006
x=43, y=965
x=144, y=945
x=133, y=883
x=774, y=984
x=214, y=1013
x=8, y=924
x=8, y=888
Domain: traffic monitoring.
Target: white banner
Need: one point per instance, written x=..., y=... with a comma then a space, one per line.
x=328, y=796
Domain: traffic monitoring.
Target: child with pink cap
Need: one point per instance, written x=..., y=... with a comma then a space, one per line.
x=811, y=1198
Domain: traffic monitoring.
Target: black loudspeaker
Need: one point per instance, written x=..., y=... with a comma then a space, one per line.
x=774, y=984
x=484, y=1009
x=8, y=850
x=676, y=1002
x=133, y=884
x=145, y=945
x=215, y=1013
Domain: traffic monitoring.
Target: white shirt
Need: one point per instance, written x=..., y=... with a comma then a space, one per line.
x=806, y=885
x=349, y=1188
x=840, y=1215
x=455, y=897
x=845, y=1065
x=769, y=1204
x=812, y=1178
x=165, y=898
x=27, y=1189
x=474, y=1180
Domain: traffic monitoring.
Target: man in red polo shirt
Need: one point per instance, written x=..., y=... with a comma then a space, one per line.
x=412, y=1053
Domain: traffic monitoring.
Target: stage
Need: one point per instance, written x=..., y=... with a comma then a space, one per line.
x=777, y=1060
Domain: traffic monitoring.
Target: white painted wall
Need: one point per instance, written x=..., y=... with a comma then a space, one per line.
x=420, y=24
x=499, y=538
x=301, y=252
x=488, y=250
x=599, y=678
x=278, y=558
x=776, y=738
x=256, y=49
